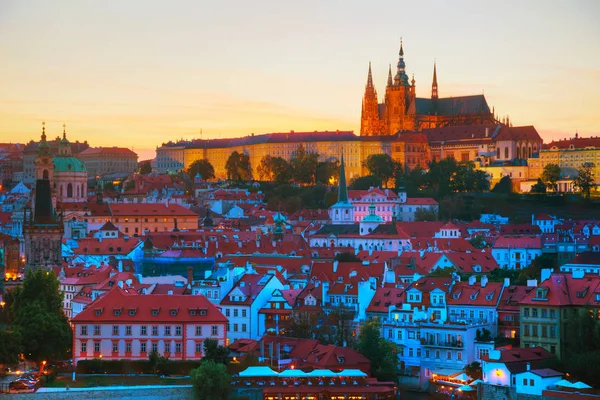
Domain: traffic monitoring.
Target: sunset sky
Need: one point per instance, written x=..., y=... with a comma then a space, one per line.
x=139, y=73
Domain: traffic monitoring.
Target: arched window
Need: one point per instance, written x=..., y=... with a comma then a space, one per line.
x=530, y=152
x=45, y=174
x=506, y=152
x=69, y=190
x=83, y=190
x=518, y=152
x=498, y=152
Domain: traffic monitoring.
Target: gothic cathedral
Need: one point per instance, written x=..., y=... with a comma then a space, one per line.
x=403, y=111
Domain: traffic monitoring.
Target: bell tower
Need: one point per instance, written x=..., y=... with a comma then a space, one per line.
x=400, y=97
x=369, y=120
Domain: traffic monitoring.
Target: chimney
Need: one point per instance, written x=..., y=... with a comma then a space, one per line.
x=120, y=266
x=546, y=272
x=484, y=281
x=506, y=282
x=472, y=280
x=487, y=132
x=578, y=274
x=528, y=366
x=120, y=283
x=532, y=282
x=335, y=266
x=190, y=274
x=240, y=244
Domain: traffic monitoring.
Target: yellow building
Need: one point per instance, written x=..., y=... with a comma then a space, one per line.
x=570, y=154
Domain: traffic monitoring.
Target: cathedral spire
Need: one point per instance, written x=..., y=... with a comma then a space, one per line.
x=370, y=77
x=390, y=82
x=342, y=189
x=401, y=79
x=434, y=85
x=64, y=131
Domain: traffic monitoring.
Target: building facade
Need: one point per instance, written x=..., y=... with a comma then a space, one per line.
x=108, y=160
x=569, y=155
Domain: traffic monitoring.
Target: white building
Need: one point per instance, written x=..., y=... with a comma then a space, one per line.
x=119, y=326
x=516, y=252
x=535, y=381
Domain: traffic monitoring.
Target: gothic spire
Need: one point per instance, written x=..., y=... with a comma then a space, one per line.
x=370, y=77
x=342, y=189
x=434, y=85
x=390, y=82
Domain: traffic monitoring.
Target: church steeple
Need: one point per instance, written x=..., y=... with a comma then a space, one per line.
x=369, y=121
x=401, y=79
x=390, y=82
x=434, y=85
x=43, y=149
x=342, y=188
x=370, y=77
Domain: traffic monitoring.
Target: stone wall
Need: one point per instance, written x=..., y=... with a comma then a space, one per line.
x=128, y=393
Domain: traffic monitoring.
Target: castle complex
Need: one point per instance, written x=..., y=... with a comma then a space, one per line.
x=403, y=111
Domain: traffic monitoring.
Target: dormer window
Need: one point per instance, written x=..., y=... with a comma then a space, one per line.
x=341, y=360
x=456, y=296
x=489, y=296
x=155, y=312
x=203, y=313
x=598, y=297
x=193, y=313
x=117, y=312
x=131, y=313
x=173, y=312
x=98, y=312
x=473, y=296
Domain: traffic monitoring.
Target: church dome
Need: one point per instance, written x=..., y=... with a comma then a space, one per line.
x=68, y=164
x=372, y=216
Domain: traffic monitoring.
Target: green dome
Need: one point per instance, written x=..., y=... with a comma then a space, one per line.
x=68, y=164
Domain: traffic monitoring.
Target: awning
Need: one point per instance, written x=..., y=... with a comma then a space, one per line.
x=321, y=373
x=580, y=385
x=292, y=373
x=351, y=373
x=461, y=377
x=258, y=372
x=475, y=382
x=564, y=383
x=465, y=388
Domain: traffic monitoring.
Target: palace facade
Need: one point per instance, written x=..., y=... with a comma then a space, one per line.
x=403, y=111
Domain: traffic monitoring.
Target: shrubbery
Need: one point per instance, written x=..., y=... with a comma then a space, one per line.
x=98, y=366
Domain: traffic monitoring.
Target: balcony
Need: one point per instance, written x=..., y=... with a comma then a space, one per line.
x=454, y=344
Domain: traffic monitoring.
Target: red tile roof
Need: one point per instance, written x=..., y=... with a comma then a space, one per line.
x=167, y=305
x=564, y=290
x=518, y=242
x=361, y=194
x=98, y=151
x=147, y=209
x=474, y=295
x=520, y=229
x=386, y=297
x=465, y=262
x=420, y=201
x=250, y=288
x=578, y=143
x=93, y=246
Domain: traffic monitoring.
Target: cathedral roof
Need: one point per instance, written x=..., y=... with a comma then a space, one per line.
x=68, y=164
x=475, y=104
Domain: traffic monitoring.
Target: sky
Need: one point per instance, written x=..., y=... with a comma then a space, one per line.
x=138, y=73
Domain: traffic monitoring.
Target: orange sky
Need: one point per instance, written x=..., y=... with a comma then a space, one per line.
x=139, y=73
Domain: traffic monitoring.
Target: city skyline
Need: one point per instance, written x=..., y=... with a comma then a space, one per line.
x=164, y=73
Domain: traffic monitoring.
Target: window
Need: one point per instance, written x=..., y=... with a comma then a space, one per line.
x=410, y=352
x=235, y=327
x=544, y=313
x=198, y=330
x=449, y=355
x=243, y=327
x=177, y=347
x=83, y=330
x=215, y=330
x=143, y=347
x=198, y=347
x=177, y=331
x=96, y=347
x=115, y=347
x=552, y=331
x=552, y=314
x=144, y=330
x=235, y=312
x=155, y=331
x=167, y=347
x=526, y=312
x=524, y=382
x=128, y=347
x=399, y=335
x=534, y=312
x=459, y=356
x=244, y=313
x=115, y=330
x=531, y=382
x=154, y=347
x=227, y=312
x=83, y=347
x=168, y=330
x=96, y=330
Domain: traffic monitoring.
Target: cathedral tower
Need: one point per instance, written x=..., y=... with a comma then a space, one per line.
x=400, y=113
x=370, y=123
x=434, y=85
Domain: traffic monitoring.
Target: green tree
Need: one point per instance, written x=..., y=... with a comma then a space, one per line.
x=479, y=242
x=382, y=353
x=238, y=167
x=539, y=187
x=425, y=214
x=130, y=185
x=304, y=166
x=550, y=175
x=346, y=257
x=10, y=346
x=584, y=181
x=474, y=370
x=441, y=176
x=440, y=272
x=145, y=167
x=215, y=352
x=36, y=314
x=413, y=182
x=381, y=166
x=504, y=186
x=364, y=182
x=275, y=169
x=328, y=171
x=211, y=381
x=202, y=167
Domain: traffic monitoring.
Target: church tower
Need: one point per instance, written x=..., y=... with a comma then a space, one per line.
x=369, y=120
x=400, y=113
x=342, y=212
x=44, y=167
x=434, y=85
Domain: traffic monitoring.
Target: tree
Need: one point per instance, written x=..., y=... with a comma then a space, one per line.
x=202, y=167
x=145, y=167
x=474, y=370
x=413, y=182
x=539, y=187
x=584, y=181
x=10, y=346
x=346, y=257
x=328, y=171
x=425, y=214
x=211, y=381
x=36, y=314
x=130, y=185
x=381, y=166
x=550, y=175
x=445, y=272
x=479, y=242
x=215, y=352
x=504, y=186
x=274, y=169
x=158, y=363
x=304, y=166
x=382, y=353
x=364, y=182
x=238, y=167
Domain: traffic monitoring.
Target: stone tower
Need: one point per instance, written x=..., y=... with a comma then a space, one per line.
x=370, y=123
x=400, y=112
